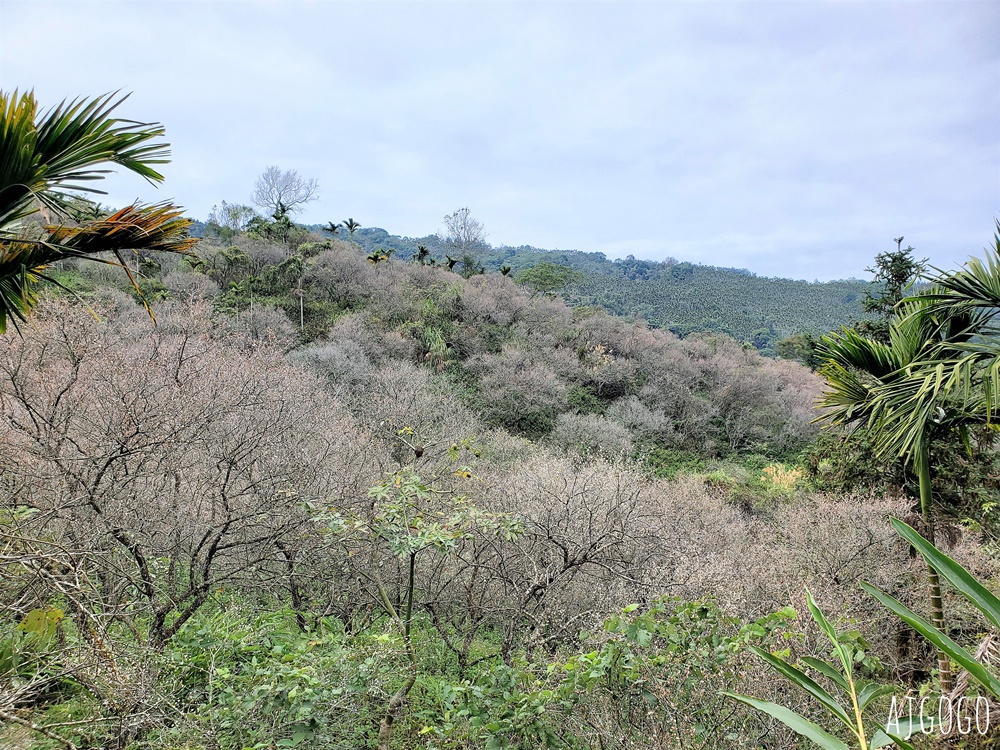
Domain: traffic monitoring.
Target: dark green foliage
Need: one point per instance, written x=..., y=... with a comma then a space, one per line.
x=965, y=477
x=278, y=228
x=583, y=400
x=895, y=273
x=151, y=289
x=668, y=463
x=800, y=348
x=685, y=299
x=843, y=463
x=547, y=278
x=681, y=271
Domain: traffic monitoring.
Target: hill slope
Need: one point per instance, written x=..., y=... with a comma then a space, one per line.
x=686, y=298
x=681, y=297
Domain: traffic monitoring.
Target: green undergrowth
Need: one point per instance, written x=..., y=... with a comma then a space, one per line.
x=237, y=678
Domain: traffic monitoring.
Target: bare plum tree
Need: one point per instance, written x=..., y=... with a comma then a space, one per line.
x=465, y=235
x=283, y=192
x=177, y=465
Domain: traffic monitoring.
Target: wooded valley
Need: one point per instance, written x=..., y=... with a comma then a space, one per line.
x=322, y=495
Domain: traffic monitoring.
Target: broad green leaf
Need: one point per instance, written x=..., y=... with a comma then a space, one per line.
x=796, y=723
x=940, y=641
x=952, y=572
x=902, y=730
x=881, y=739
x=806, y=683
x=827, y=669
x=871, y=691
x=41, y=623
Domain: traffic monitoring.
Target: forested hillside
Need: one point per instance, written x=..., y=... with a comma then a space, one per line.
x=290, y=490
x=210, y=542
x=339, y=499
x=678, y=296
x=525, y=362
x=685, y=298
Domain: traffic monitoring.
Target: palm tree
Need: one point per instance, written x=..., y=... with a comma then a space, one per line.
x=44, y=155
x=379, y=255
x=333, y=228
x=871, y=383
x=351, y=226
x=965, y=366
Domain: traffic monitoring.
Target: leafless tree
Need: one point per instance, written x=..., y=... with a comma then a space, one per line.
x=179, y=465
x=466, y=236
x=276, y=190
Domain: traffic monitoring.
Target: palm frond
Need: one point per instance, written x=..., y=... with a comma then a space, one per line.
x=160, y=226
x=135, y=228
x=850, y=349
x=43, y=160
x=63, y=149
x=977, y=283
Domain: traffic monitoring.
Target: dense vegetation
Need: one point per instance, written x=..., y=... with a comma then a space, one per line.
x=192, y=513
x=681, y=297
x=331, y=499
x=342, y=496
x=525, y=362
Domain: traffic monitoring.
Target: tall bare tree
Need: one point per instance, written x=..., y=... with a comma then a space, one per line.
x=465, y=234
x=283, y=192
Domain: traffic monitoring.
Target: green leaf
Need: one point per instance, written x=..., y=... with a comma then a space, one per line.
x=940, y=641
x=881, y=739
x=806, y=683
x=952, y=572
x=793, y=721
x=871, y=691
x=41, y=623
x=831, y=633
x=906, y=727
x=827, y=669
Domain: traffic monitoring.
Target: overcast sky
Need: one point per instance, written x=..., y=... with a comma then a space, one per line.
x=793, y=139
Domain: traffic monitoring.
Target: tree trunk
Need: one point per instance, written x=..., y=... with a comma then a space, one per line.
x=937, y=606
x=385, y=727
x=397, y=700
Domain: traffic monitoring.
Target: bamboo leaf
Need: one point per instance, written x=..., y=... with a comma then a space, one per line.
x=940, y=641
x=871, y=691
x=806, y=683
x=831, y=633
x=953, y=573
x=828, y=670
x=881, y=739
x=795, y=722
